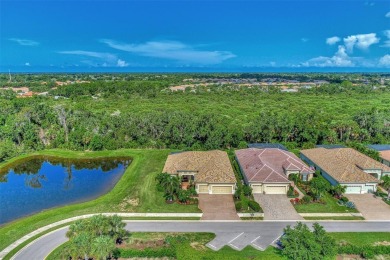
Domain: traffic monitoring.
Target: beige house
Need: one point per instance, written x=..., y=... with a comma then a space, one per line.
x=267, y=170
x=210, y=171
x=347, y=167
x=385, y=157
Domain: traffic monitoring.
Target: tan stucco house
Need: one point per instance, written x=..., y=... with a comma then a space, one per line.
x=267, y=170
x=348, y=167
x=210, y=171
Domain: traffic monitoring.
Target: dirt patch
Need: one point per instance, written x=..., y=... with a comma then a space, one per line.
x=142, y=244
x=383, y=243
x=197, y=246
x=134, y=202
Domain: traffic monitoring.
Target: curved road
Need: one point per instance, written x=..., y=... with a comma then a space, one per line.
x=234, y=234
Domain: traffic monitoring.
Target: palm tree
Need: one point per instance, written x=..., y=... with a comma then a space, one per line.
x=117, y=230
x=338, y=190
x=386, y=184
x=103, y=247
x=172, y=185
x=83, y=244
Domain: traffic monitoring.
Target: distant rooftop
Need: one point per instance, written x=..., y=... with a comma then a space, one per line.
x=267, y=145
x=379, y=147
x=330, y=146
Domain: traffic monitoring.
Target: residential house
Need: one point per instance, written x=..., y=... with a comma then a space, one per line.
x=384, y=152
x=210, y=171
x=267, y=170
x=348, y=167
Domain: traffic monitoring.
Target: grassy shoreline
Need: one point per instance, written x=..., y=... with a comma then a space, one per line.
x=143, y=198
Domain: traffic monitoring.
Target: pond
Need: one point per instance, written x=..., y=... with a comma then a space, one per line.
x=40, y=182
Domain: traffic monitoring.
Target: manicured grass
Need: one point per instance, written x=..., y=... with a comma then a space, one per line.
x=135, y=192
x=331, y=206
x=361, y=238
x=334, y=218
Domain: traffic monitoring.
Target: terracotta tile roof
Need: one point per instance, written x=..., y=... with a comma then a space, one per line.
x=385, y=155
x=212, y=166
x=268, y=165
x=345, y=165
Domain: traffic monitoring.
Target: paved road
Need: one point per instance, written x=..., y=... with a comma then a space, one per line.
x=234, y=234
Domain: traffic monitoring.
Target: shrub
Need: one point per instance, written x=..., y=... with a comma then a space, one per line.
x=306, y=199
x=237, y=193
x=247, y=190
x=238, y=205
x=254, y=206
x=344, y=199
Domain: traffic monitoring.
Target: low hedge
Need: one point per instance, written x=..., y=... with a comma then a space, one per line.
x=254, y=206
x=148, y=252
x=364, y=251
x=238, y=205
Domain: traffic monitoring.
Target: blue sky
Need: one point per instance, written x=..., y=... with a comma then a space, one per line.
x=199, y=35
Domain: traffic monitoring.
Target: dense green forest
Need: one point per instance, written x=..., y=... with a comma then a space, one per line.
x=134, y=111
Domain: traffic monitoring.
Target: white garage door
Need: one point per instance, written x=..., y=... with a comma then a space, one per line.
x=222, y=190
x=353, y=190
x=257, y=189
x=203, y=188
x=275, y=189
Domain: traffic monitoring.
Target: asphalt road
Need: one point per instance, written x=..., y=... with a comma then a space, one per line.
x=234, y=234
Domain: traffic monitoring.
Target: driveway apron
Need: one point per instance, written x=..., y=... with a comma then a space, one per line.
x=277, y=207
x=217, y=207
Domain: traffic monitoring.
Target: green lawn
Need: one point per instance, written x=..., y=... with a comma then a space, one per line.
x=334, y=218
x=361, y=238
x=143, y=169
x=331, y=206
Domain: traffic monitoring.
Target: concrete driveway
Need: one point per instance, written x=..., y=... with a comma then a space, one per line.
x=371, y=208
x=277, y=207
x=217, y=207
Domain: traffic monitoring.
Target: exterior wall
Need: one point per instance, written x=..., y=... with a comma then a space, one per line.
x=291, y=172
x=376, y=172
x=385, y=162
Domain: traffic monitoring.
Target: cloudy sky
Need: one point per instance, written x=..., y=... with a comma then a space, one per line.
x=111, y=35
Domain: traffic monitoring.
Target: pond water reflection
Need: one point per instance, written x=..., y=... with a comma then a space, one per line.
x=39, y=182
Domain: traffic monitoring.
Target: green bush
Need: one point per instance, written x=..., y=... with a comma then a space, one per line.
x=344, y=199
x=247, y=190
x=364, y=251
x=238, y=205
x=254, y=206
x=306, y=199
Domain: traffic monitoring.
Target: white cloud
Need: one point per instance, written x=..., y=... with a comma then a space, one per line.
x=108, y=59
x=385, y=61
x=27, y=64
x=24, y=42
x=339, y=59
x=332, y=40
x=386, y=43
x=387, y=15
x=122, y=63
x=361, y=41
x=172, y=50
x=304, y=39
